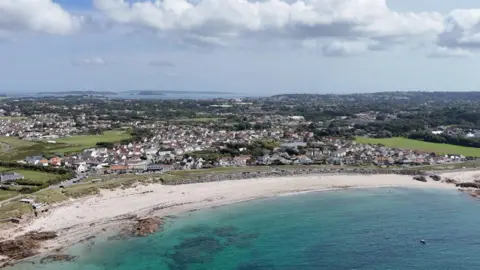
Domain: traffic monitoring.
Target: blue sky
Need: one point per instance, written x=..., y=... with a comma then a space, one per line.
x=266, y=47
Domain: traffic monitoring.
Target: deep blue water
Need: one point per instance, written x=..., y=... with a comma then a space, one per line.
x=348, y=229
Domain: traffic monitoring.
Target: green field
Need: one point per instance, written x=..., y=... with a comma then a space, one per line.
x=36, y=177
x=439, y=148
x=198, y=120
x=33, y=177
x=78, y=143
x=14, y=118
x=7, y=194
x=12, y=148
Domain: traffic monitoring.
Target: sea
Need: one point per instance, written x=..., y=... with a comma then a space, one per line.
x=346, y=229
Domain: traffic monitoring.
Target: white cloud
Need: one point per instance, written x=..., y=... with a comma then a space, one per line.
x=462, y=30
x=444, y=52
x=94, y=61
x=42, y=16
x=344, y=48
x=224, y=20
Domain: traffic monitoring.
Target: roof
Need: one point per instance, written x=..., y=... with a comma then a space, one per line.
x=118, y=167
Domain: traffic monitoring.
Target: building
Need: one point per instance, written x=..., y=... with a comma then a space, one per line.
x=155, y=167
x=10, y=177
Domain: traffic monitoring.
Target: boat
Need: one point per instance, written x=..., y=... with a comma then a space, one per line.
x=423, y=241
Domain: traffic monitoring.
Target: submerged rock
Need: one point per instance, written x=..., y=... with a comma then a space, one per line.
x=474, y=193
x=57, y=258
x=146, y=226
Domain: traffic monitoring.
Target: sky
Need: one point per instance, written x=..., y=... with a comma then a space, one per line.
x=251, y=47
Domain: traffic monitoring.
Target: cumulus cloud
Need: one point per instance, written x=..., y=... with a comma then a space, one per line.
x=43, y=16
x=462, y=30
x=222, y=21
x=341, y=48
x=444, y=52
x=161, y=63
x=94, y=61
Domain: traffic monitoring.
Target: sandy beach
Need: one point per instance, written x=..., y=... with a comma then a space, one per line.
x=78, y=219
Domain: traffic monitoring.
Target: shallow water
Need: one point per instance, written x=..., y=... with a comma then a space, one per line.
x=347, y=229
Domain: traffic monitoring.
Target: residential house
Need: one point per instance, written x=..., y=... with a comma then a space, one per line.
x=117, y=169
x=34, y=160
x=55, y=161
x=80, y=166
x=43, y=162
x=137, y=165
x=6, y=178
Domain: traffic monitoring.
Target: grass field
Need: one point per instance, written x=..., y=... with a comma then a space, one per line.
x=12, y=117
x=198, y=120
x=34, y=176
x=404, y=143
x=12, y=148
x=78, y=143
x=7, y=194
x=15, y=142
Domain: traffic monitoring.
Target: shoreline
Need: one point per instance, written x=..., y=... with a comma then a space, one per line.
x=84, y=218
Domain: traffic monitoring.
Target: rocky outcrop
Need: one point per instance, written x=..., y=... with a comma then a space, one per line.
x=25, y=246
x=420, y=178
x=450, y=181
x=468, y=185
x=436, y=177
x=146, y=226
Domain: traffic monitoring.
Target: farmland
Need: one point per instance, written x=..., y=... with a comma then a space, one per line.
x=439, y=148
x=14, y=149
x=36, y=178
x=78, y=143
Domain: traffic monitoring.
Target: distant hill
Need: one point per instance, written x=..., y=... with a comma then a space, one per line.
x=172, y=92
x=80, y=93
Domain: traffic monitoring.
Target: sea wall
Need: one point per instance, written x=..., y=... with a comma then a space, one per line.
x=221, y=176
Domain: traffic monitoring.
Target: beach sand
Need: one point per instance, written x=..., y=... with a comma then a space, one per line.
x=78, y=219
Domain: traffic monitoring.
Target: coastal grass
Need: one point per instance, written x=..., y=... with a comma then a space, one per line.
x=451, y=166
x=118, y=181
x=219, y=170
x=7, y=194
x=50, y=196
x=404, y=143
x=15, y=210
x=34, y=177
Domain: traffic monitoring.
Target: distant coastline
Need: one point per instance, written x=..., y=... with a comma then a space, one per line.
x=103, y=93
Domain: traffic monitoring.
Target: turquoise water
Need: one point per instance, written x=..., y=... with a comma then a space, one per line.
x=348, y=229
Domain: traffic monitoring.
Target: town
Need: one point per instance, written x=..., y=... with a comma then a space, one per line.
x=92, y=136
